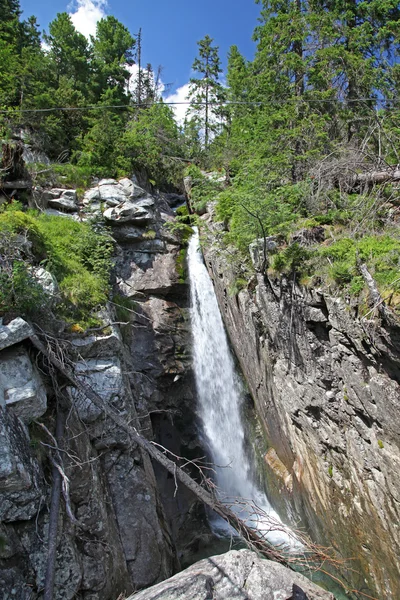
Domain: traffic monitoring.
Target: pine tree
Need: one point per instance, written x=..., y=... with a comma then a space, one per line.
x=206, y=92
x=68, y=50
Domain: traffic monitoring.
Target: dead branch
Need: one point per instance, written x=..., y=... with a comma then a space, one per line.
x=376, y=297
x=53, y=517
x=252, y=538
x=309, y=556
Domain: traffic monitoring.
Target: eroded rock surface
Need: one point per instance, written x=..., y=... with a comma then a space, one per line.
x=129, y=525
x=327, y=388
x=236, y=575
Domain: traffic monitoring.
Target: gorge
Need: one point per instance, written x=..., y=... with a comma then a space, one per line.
x=200, y=313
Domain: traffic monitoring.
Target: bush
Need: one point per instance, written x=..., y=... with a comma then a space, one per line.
x=78, y=256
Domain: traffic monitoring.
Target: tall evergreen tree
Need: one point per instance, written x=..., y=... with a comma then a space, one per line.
x=206, y=92
x=113, y=52
x=68, y=50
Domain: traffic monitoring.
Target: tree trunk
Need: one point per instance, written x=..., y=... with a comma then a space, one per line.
x=247, y=533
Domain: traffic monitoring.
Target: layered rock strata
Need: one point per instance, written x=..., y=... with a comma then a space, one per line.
x=326, y=385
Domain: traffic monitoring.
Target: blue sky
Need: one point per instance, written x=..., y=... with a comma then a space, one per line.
x=170, y=27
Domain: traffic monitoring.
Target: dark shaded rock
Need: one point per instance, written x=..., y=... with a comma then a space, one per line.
x=21, y=482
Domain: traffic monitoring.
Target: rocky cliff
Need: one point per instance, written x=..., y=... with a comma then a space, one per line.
x=120, y=526
x=326, y=386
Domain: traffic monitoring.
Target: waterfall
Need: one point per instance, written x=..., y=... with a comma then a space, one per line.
x=220, y=396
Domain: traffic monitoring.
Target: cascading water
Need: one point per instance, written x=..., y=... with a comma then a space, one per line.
x=221, y=395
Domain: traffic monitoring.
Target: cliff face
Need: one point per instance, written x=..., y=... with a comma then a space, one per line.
x=122, y=528
x=326, y=387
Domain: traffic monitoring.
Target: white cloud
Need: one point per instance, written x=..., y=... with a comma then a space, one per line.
x=86, y=13
x=180, y=95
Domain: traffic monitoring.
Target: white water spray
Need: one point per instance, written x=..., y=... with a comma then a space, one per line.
x=220, y=395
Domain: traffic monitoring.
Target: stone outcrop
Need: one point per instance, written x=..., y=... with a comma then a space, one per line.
x=21, y=387
x=129, y=527
x=327, y=389
x=16, y=331
x=236, y=575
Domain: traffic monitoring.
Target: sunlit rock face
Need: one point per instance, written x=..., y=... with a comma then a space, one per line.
x=326, y=386
x=235, y=575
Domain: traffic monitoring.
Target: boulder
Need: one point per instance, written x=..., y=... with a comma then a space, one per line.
x=14, y=333
x=131, y=188
x=112, y=194
x=236, y=575
x=129, y=212
x=21, y=387
x=105, y=377
x=46, y=280
x=20, y=477
x=91, y=195
x=62, y=203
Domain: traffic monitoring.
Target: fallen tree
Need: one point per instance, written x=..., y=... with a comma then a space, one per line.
x=249, y=534
x=310, y=557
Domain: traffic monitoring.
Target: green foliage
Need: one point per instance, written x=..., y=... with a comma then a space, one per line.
x=291, y=260
x=151, y=143
x=80, y=259
x=181, y=266
x=236, y=286
x=380, y=444
x=380, y=252
x=205, y=186
x=75, y=253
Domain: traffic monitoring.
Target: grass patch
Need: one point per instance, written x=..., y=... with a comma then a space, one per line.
x=75, y=253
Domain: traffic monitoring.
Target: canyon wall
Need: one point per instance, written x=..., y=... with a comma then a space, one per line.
x=326, y=388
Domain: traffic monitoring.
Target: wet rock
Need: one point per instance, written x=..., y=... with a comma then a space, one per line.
x=20, y=477
x=21, y=387
x=16, y=331
x=236, y=575
x=175, y=200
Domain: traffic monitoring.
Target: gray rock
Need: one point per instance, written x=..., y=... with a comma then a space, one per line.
x=131, y=188
x=14, y=333
x=256, y=250
x=105, y=377
x=112, y=195
x=327, y=390
x=107, y=182
x=67, y=194
x=21, y=387
x=128, y=212
x=91, y=195
x=236, y=575
x=96, y=346
x=20, y=477
x=46, y=280
x=63, y=204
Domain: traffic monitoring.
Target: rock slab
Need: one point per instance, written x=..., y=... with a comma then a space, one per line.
x=236, y=575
